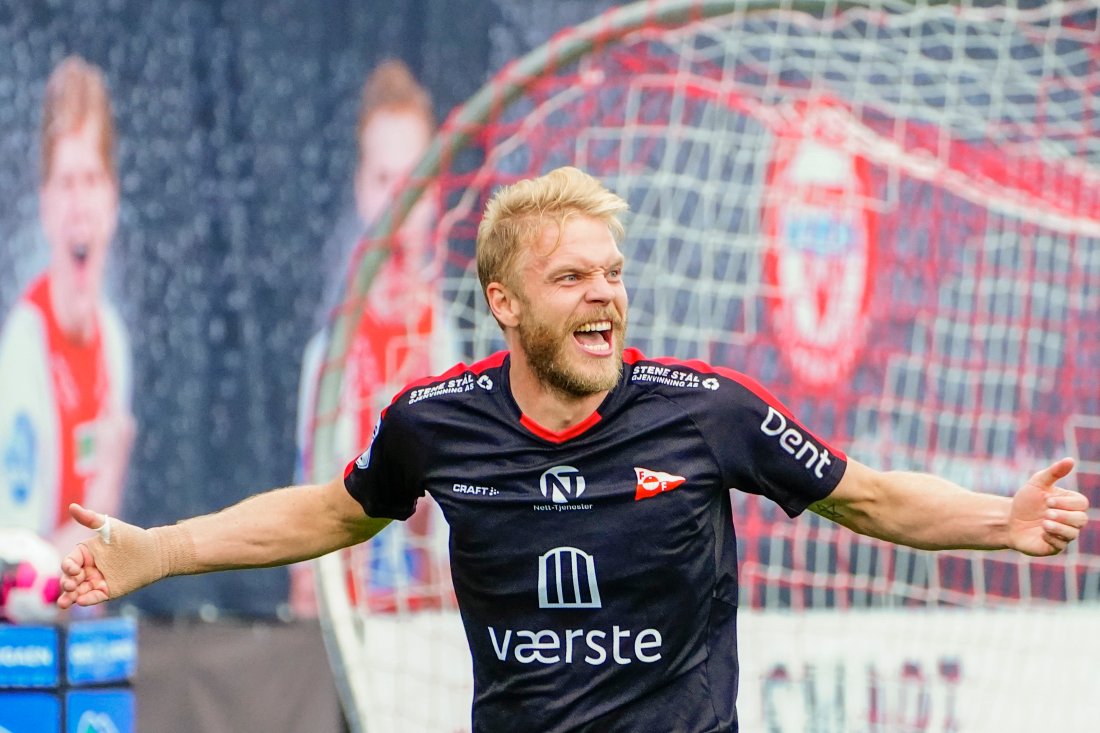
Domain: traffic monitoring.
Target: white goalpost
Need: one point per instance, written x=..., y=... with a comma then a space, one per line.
x=889, y=213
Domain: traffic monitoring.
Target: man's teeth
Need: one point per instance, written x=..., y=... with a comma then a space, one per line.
x=597, y=326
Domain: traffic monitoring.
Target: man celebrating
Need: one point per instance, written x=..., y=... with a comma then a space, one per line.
x=65, y=424
x=594, y=561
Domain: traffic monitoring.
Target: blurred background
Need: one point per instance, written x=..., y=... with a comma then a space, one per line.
x=974, y=347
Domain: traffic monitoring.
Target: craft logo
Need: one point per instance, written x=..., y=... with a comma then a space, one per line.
x=652, y=483
x=820, y=231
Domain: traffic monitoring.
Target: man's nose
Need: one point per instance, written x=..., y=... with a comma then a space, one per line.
x=600, y=290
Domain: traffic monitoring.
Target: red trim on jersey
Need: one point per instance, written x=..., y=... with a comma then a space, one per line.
x=559, y=436
x=743, y=379
x=477, y=367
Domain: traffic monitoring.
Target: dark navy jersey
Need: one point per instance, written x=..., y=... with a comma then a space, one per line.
x=595, y=569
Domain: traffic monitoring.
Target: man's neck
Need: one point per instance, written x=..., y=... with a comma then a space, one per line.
x=549, y=407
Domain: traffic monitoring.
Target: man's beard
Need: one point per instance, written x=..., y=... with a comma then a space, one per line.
x=547, y=350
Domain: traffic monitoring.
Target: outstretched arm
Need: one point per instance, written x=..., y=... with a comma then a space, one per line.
x=272, y=528
x=932, y=513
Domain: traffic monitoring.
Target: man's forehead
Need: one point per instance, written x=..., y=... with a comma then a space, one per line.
x=591, y=244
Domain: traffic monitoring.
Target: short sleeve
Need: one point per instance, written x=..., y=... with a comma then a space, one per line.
x=763, y=449
x=385, y=478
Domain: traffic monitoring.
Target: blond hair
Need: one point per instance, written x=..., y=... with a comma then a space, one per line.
x=76, y=93
x=516, y=215
x=392, y=87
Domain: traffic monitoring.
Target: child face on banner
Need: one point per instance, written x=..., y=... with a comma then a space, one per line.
x=392, y=144
x=78, y=206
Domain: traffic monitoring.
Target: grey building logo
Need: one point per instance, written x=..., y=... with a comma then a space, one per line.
x=561, y=484
x=567, y=579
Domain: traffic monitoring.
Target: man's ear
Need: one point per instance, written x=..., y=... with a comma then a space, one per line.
x=504, y=304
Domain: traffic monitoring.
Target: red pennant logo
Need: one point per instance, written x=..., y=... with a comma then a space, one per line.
x=651, y=483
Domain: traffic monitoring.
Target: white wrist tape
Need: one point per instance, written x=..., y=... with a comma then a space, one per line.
x=104, y=531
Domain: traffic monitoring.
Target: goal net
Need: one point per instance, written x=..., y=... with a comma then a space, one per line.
x=889, y=213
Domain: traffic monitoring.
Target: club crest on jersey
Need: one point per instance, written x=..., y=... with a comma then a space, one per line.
x=819, y=224
x=651, y=483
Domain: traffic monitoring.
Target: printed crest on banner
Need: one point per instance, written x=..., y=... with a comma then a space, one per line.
x=819, y=227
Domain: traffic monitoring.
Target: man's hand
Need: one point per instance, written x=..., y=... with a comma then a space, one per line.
x=82, y=581
x=121, y=558
x=1045, y=518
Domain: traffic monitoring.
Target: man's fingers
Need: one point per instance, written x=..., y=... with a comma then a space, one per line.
x=85, y=597
x=1077, y=520
x=1052, y=473
x=1059, y=534
x=86, y=517
x=1069, y=500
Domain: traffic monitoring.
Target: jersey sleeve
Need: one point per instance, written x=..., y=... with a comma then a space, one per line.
x=763, y=449
x=385, y=478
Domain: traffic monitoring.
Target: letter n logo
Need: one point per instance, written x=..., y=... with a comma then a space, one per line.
x=562, y=483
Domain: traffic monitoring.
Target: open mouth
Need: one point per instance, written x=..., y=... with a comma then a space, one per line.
x=80, y=253
x=595, y=337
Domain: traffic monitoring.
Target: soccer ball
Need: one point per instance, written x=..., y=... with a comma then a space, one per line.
x=30, y=577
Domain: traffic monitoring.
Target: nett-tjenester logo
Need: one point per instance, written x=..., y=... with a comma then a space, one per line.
x=561, y=484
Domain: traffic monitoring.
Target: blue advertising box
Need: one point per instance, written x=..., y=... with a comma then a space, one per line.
x=30, y=712
x=30, y=656
x=100, y=651
x=99, y=711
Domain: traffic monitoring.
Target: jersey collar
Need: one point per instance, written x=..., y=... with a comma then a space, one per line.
x=551, y=436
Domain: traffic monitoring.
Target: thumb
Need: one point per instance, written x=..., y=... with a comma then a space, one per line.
x=1052, y=473
x=86, y=517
